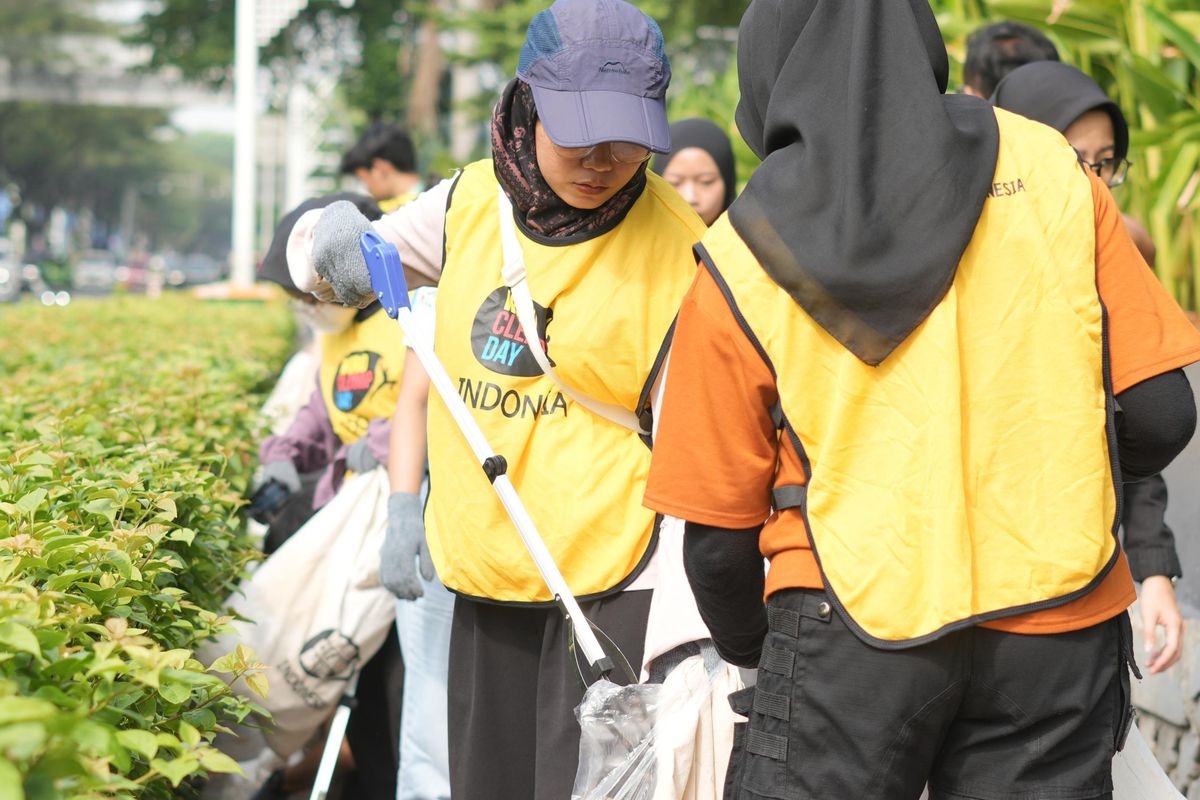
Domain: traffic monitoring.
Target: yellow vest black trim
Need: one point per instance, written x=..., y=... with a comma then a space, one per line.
x=971, y=475
x=604, y=307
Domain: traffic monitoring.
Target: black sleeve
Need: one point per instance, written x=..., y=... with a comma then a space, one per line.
x=1155, y=421
x=1149, y=543
x=725, y=570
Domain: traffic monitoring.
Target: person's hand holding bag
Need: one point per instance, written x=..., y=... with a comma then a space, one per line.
x=404, y=546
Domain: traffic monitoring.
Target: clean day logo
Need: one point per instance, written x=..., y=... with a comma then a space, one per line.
x=500, y=343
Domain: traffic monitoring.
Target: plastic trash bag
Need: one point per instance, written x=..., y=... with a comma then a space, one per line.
x=616, y=750
x=650, y=741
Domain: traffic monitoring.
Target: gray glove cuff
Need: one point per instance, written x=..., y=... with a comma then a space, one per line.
x=284, y=472
x=403, y=505
x=359, y=457
x=337, y=253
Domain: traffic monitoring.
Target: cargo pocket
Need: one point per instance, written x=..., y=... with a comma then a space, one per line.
x=1126, y=663
x=763, y=763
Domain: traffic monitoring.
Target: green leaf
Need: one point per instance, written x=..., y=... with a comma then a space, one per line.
x=91, y=738
x=215, y=761
x=202, y=718
x=32, y=501
x=188, y=733
x=257, y=682
x=185, y=535
x=104, y=506
x=25, y=709
x=141, y=742
x=175, y=771
x=19, y=638
x=11, y=787
x=1186, y=42
x=174, y=691
x=167, y=506
x=120, y=559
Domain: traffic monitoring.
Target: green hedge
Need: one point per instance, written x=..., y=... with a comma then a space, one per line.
x=127, y=433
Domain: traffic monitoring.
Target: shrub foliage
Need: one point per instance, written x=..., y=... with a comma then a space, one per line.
x=127, y=430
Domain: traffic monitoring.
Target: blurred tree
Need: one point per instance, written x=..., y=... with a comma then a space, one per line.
x=77, y=157
x=31, y=32
x=364, y=44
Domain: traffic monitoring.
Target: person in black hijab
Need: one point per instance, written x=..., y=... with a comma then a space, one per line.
x=1073, y=104
x=872, y=177
x=700, y=166
x=1061, y=96
x=889, y=378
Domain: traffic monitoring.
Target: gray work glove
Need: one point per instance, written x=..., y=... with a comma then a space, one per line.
x=282, y=471
x=337, y=253
x=359, y=457
x=403, y=546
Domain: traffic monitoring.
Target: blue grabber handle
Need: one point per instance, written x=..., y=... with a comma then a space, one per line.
x=387, y=273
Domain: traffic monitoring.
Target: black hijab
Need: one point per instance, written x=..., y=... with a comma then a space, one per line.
x=274, y=266
x=702, y=133
x=1057, y=94
x=872, y=178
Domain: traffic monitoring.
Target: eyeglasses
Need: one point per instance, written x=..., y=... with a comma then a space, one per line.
x=1112, y=170
x=621, y=152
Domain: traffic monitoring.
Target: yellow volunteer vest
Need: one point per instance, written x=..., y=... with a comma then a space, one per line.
x=604, y=309
x=390, y=204
x=360, y=374
x=969, y=476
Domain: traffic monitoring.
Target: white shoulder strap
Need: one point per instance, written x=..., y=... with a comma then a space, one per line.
x=513, y=273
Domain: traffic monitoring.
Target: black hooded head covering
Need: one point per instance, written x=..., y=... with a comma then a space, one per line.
x=274, y=266
x=872, y=178
x=705, y=134
x=1057, y=94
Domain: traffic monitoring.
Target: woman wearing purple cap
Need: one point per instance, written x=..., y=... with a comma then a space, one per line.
x=597, y=258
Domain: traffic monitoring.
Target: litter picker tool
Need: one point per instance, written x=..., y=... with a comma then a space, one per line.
x=333, y=744
x=387, y=279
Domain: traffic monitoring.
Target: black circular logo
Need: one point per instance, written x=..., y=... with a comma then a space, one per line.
x=499, y=341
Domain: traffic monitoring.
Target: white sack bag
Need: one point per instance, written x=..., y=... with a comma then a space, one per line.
x=319, y=612
x=1137, y=775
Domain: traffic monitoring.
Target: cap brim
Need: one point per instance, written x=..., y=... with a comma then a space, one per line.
x=584, y=119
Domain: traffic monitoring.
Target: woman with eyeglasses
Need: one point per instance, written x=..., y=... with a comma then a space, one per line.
x=1069, y=101
x=606, y=253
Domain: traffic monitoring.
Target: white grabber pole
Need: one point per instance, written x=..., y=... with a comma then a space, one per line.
x=387, y=279
x=333, y=743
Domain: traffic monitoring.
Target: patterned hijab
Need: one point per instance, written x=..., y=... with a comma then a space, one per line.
x=539, y=210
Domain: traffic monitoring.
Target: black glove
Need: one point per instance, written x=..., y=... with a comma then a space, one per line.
x=282, y=472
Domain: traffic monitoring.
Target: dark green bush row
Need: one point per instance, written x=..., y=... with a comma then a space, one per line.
x=127, y=433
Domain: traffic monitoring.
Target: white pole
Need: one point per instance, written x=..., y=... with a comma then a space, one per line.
x=244, y=156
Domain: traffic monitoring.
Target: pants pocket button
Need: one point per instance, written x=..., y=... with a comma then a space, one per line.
x=824, y=610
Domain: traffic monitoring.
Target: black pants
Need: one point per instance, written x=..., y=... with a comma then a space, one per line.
x=374, y=728
x=979, y=714
x=513, y=690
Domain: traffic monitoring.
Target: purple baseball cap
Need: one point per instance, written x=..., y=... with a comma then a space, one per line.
x=599, y=73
